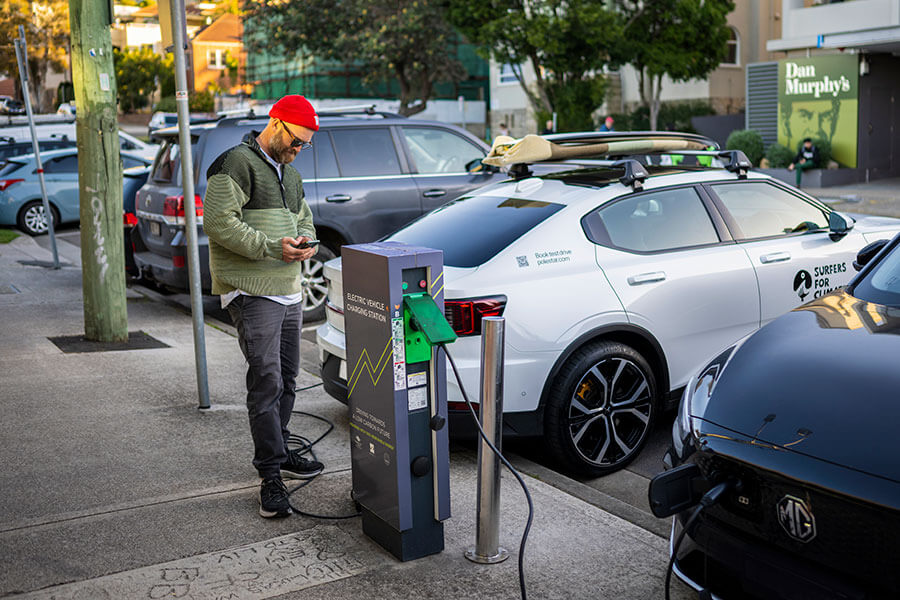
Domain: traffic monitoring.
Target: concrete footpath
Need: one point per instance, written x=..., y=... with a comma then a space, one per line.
x=114, y=485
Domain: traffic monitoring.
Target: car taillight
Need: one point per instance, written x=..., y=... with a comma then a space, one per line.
x=5, y=183
x=178, y=262
x=465, y=315
x=128, y=219
x=174, y=206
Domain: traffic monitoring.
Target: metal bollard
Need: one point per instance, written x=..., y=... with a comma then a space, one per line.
x=487, y=539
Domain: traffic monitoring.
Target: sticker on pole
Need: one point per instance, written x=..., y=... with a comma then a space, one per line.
x=104, y=82
x=181, y=95
x=399, y=354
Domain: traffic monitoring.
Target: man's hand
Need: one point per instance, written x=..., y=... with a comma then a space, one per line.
x=289, y=251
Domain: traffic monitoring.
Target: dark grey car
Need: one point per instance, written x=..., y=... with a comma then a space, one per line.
x=366, y=176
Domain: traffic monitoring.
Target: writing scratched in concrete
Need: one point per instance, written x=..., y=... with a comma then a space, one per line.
x=261, y=570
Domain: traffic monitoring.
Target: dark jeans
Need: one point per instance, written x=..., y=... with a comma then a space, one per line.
x=800, y=167
x=269, y=335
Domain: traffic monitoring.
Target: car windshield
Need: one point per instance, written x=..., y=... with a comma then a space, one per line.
x=882, y=284
x=471, y=231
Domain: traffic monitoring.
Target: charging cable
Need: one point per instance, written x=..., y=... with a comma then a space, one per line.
x=304, y=446
x=509, y=466
x=709, y=498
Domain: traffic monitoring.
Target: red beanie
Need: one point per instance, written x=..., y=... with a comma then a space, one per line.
x=296, y=110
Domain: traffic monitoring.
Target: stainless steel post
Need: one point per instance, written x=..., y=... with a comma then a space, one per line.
x=190, y=215
x=22, y=58
x=487, y=538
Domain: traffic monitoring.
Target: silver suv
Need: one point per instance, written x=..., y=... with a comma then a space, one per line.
x=367, y=175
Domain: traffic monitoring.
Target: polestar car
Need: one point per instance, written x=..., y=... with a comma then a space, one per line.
x=617, y=284
x=800, y=422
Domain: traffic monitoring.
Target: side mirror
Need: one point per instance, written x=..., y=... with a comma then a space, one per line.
x=867, y=253
x=475, y=166
x=840, y=224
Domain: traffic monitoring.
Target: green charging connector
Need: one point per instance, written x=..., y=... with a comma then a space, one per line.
x=425, y=327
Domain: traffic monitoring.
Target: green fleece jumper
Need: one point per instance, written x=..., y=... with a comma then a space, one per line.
x=246, y=212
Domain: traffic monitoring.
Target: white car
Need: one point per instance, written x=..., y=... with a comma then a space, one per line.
x=55, y=127
x=615, y=289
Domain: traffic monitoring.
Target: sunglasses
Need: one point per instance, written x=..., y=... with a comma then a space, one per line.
x=295, y=141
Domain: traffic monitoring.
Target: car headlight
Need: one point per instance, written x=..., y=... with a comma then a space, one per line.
x=696, y=396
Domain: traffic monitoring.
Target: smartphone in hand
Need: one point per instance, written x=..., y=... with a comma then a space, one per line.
x=307, y=244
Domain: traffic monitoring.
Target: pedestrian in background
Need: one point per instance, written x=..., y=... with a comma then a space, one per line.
x=607, y=125
x=548, y=127
x=257, y=221
x=807, y=158
x=502, y=129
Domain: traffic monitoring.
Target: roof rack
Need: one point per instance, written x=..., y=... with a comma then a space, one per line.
x=357, y=109
x=635, y=173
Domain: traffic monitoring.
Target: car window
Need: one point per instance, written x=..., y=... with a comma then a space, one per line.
x=304, y=164
x=881, y=285
x=762, y=209
x=326, y=164
x=166, y=162
x=471, y=231
x=125, y=144
x=65, y=164
x=652, y=222
x=364, y=152
x=439, y=151
x=9, y=167
x=128, y=162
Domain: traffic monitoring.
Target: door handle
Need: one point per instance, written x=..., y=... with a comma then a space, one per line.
x=434, y=193
x=647, y=278
x=775, y=257
x=337, y=198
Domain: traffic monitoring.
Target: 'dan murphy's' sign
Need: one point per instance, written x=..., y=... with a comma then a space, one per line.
x=819, y=98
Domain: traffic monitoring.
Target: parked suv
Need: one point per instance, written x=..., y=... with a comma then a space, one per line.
x=367, y=175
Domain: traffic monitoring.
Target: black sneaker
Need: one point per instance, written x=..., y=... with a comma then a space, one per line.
x=273, y=499
x=299, y=467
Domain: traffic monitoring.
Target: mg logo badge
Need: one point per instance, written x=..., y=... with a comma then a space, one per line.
x=796, y=519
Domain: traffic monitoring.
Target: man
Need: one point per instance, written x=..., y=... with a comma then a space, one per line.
x=503, y=129
x=257, y=221
x=607, y=124
x=807, y=158
x=548, y=127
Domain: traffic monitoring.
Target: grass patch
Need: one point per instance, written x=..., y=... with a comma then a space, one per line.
x=7, y=235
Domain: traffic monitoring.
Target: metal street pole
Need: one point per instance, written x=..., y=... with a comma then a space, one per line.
x=22, y=58
x=487, y=548
x=190, y=215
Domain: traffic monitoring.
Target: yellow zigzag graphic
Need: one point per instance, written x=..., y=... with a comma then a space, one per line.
x=434, y=283
x=367, y=365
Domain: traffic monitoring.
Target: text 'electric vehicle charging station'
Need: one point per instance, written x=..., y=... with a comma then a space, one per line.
x=394, y=319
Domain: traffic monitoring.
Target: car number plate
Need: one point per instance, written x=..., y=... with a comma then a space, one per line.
x=155, y=228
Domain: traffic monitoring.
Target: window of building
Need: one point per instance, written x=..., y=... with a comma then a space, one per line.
x=507, y=75
x=215, y=59
x=733, y=45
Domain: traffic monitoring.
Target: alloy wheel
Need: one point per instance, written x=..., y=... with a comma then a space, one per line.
x=609, y=412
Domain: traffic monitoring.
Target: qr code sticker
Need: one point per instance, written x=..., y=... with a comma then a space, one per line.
x=522, y=260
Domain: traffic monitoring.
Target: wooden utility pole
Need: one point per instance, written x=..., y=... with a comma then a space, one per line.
x=99, y=172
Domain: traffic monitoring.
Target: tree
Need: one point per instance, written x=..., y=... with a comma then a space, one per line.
x=136, y=75
x=566, y=42
x=683, y=39
x=406, y=40
x=47, y=34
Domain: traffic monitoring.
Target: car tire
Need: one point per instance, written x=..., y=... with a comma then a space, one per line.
x=315, y=288
x=31, y=218
x=601, y=409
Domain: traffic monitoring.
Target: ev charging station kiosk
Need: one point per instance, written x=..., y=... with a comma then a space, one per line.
x=393, y=322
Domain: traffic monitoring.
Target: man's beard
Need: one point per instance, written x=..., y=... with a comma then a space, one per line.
x=281, y=152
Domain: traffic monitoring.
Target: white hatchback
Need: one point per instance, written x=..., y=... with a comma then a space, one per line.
x=615, y=290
